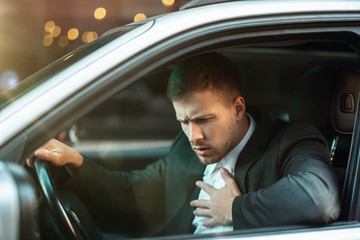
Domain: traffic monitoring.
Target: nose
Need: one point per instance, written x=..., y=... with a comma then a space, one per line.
x=195, y=133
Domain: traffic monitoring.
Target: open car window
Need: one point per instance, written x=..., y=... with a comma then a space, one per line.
x=135, y=127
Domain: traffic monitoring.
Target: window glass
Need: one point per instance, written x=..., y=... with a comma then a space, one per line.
x=43, y=75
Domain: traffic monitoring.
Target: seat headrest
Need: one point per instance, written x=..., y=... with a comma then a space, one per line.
x=327, y=96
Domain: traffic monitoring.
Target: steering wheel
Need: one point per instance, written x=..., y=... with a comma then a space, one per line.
x=76, y=224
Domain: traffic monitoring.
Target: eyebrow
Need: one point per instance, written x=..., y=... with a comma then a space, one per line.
x=196, y=117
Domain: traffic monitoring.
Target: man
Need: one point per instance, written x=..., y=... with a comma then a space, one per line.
x=227, y=170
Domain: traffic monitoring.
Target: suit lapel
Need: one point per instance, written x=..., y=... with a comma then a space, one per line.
x=186, y=215
x=196, y=170
x=253, y=150
x=184, y=170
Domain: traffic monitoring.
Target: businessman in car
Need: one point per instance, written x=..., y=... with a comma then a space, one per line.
x=227, y=170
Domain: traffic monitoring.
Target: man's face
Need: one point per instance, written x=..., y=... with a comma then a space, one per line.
x=212, y=127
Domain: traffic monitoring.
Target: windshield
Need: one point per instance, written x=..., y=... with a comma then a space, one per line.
x=10, y=95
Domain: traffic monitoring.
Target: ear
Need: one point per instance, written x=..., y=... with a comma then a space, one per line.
x=239, y=107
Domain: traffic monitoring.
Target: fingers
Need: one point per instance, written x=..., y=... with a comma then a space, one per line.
x=230, y=181
x=219, y=207
x=58, y=154
x=202, y=212
x=225, y=174
x=53, y=156
x=200, y=203
x=51, y=151
x=45, y=152
x=205, y=212
x=206, y=187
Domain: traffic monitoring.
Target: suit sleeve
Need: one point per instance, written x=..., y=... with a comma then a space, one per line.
x=141, y=191
x=307, y=191
x=116, y=190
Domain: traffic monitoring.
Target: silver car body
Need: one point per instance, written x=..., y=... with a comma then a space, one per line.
x=159, y=36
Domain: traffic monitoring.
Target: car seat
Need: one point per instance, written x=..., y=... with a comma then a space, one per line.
x=327, y=96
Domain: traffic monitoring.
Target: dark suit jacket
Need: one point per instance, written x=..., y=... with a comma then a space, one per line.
x=282, y=172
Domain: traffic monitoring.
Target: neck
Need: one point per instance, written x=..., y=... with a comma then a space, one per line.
x=244, y=125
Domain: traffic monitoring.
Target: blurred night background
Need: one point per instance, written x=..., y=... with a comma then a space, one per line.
x=34, y=33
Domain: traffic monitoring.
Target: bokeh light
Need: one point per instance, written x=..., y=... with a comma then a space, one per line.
x=9, y=79
x=89, y=36
x=63, y=41
x=168, y=3
x=49, y=26
x=47, y=40
x=139, y=17
x=56, y=31
x=73, y=33
x=100, y=13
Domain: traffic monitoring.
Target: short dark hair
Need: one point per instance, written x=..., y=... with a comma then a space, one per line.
x=209, y=71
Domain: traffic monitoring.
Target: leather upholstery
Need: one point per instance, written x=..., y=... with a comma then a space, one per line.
x=327, y=96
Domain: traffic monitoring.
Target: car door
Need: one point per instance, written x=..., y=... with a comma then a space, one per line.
x=243, y=38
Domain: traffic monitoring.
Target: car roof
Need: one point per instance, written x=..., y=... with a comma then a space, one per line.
x=199, y=12
x=199, y=3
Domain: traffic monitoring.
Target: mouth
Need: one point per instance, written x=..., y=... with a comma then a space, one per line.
x=202, y=151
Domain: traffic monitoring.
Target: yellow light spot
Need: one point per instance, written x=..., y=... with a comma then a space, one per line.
x=139, y=17
x=89, y=36
x=63, y=41
x=49, y=26
x=168, y=3
x=95, y=35
x=56, y=31
x=47, y=40
x=84, y=36
x=100, y=13
x=73, y=33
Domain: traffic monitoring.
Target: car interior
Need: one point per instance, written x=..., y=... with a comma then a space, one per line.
x=335, y=86
x=316, y=81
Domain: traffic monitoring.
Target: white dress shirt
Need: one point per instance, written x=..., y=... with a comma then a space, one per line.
x=212, y=176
